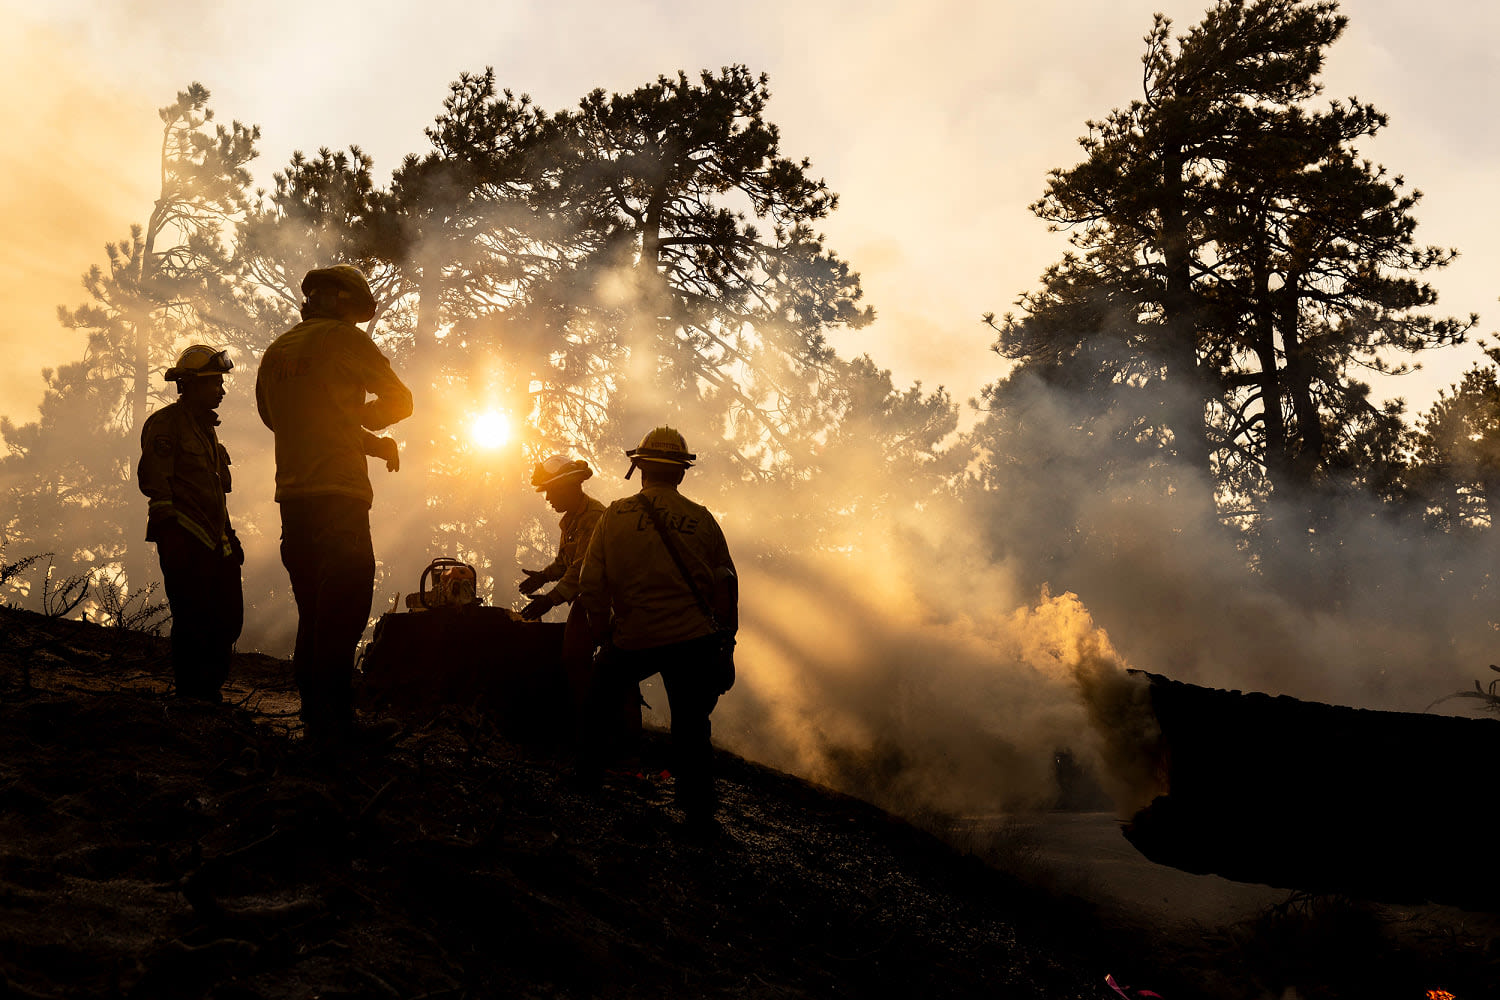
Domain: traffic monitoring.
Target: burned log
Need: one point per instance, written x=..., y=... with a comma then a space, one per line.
x=1391, y=806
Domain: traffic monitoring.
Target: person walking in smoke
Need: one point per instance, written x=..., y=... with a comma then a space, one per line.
x=661, y=596
x=184, y=473
x=312, y=392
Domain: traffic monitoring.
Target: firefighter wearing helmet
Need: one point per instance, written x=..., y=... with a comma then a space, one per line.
x=661, y=597
x=314, y=391
x=561, y=478
x=184, y=473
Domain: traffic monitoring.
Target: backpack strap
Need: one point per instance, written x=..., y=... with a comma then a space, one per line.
x=661, y=529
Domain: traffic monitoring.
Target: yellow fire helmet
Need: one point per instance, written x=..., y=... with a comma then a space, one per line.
x=662, y=445
x=559, y=469
x=200, y=360
x=348, y=284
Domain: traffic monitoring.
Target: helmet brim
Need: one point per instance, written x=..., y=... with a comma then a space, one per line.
x=576, y=475
x=217, y=364
x=682, y=458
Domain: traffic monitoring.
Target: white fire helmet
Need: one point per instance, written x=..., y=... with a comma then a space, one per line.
x=559, y=469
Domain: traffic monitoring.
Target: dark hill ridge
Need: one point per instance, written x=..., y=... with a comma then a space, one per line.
x=154, y=850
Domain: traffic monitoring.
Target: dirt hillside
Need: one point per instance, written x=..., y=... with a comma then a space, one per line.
x=150, y=849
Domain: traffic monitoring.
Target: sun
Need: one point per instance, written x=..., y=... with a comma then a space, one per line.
x=490, y=429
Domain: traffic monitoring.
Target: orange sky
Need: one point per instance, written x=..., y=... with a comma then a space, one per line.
x=937, y=131
x=74, y=173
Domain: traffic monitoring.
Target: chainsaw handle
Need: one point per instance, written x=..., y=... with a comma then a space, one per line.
x=441, y=562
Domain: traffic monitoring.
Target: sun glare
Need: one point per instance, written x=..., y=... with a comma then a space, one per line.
x=490, y=429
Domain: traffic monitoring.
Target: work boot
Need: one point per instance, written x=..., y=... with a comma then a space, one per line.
x=353, y=736
x=585, y=777
x=198, y=694
x=701, y=828
x=377, y=734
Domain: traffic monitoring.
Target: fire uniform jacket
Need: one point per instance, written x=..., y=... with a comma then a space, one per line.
x=577, y=529
x=184, y=472
x=628, y=570
x=311, y=391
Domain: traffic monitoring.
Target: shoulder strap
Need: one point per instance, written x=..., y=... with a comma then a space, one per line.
x=661, y=529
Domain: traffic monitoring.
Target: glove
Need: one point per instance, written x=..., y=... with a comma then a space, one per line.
x=236, y=550
x=539, y=606
x=535, y=578
x=386, y=448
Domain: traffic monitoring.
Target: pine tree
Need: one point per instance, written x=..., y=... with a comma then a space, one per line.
x=1236, y=263
x=697, y=231
x=165, y=287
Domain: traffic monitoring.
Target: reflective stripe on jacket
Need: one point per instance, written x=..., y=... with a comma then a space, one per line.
x=184, y=472
x=628, y=572
x=311, y=391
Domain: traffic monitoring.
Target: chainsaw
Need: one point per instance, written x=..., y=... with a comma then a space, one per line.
x=445, y=583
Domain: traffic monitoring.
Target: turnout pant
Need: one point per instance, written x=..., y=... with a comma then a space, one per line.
x=692, y=693
x=208, y=610
x=326, y=549
x=621, y=735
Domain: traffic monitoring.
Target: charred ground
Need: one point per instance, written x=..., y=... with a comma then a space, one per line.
x=151, y=849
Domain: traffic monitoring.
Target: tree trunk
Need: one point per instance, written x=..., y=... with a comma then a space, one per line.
x=135, y=558
x=1191, y=394
x=1277, y=457
x=1308, y=456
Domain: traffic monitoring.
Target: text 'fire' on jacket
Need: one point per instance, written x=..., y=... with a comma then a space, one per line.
x=628, y=568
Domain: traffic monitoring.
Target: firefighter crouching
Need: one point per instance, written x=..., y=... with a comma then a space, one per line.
x=661, y=596
x=312, y=393
x=184, y=472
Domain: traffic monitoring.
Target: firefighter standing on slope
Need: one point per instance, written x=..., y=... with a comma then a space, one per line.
x=661, y=595
x=184, y=472
x=311, y=391
x=561, y=478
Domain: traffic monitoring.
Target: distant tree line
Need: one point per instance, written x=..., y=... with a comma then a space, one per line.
x=653, y=256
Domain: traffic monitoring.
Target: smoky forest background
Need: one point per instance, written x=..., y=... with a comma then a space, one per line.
x=1180, y=463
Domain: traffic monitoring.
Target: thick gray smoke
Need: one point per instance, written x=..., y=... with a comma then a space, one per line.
x=916, y=667
x=919, y=656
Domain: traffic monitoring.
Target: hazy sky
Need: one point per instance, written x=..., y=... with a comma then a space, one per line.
x=936, y=128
